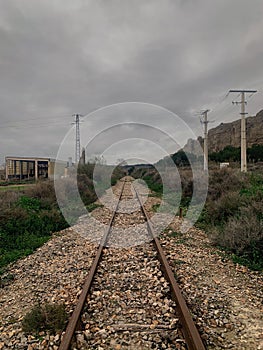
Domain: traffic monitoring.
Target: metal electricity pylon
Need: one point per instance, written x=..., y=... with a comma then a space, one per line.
x=77, y=144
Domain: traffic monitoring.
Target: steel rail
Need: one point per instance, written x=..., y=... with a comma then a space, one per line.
x=190, y=332
x=74, y=319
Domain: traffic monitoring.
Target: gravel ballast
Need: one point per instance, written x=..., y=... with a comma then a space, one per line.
x=225, y=299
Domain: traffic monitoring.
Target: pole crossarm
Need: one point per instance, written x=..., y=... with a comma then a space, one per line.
x=246, y=91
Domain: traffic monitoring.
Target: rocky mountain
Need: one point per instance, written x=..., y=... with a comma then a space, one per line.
x=193, y=146
x=228, y=134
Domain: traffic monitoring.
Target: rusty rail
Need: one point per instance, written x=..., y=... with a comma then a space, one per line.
x=191, y=334
x=189, y=329
x=74, y=319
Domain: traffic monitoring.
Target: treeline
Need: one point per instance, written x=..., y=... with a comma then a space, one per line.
x=228, y=154
x=233, y=154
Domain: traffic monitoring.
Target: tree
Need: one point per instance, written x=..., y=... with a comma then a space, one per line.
x=255, y=153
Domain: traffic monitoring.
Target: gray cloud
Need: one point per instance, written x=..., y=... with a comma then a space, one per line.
x=62, y=57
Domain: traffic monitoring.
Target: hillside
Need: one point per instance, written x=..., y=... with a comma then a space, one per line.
x=228, y=134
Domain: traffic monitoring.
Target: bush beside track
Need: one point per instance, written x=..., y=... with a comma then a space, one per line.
x=233, y=212
x=30, y=215
x=27, y=219
x=233, y=215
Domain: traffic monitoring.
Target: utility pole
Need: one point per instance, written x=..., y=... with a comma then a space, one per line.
x=243, y=126
x=205, y=121
x=77, y=145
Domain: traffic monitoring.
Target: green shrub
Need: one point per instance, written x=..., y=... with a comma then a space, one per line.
x=86, y=189
x=218, y=211
x=49, y=317
x=28, y=217
x=29, y=204
x=233, y=212
x=228, y=154
x=44, y=191
x=87, y=169
x=27, y=220
x=93, y=206
x=154, y=182
x=243, y=235
x=6, y=279
x=233, y=215
x=224, y=180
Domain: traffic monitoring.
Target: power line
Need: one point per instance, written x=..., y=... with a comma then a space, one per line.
x=22, y=123
x=34, y=119
x=22, y=126
x=219, y=101
x=223, y=109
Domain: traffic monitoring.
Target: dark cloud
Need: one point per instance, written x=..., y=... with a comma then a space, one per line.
x=62, y=57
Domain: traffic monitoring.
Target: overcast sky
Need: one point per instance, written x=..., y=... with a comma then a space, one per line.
x=60, y=57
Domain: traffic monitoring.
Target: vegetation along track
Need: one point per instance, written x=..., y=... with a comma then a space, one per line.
x=130, y=299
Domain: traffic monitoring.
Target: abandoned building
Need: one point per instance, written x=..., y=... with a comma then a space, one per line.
x=19, y=168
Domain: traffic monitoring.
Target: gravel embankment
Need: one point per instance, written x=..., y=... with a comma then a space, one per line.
x=53, y=274
x=225, y=299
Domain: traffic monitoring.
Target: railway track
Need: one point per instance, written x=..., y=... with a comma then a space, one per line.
x=130, y=299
